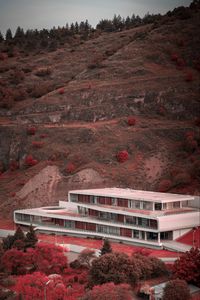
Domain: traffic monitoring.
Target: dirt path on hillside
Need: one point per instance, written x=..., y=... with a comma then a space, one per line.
x=142, y=123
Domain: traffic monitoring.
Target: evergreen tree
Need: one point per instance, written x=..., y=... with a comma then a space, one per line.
x=128, y=22
x=87, y=26
x=8, y=35
x=1, y=37
x=72, y=28
x=8, y=242
x=19, y=234
x=106, y=248
x=117, y=22
x=19, y=34
x=76, y=28
x=82, y=27
x=31, y=238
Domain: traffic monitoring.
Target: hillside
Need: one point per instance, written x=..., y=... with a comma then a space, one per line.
x=74, y=110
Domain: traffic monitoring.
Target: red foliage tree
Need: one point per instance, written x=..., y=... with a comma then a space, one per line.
x=177, y=290
x=49, y=258
x=32, y=286
x=15, y=261
x=187, y=267
x=131, y=121
x=122, y=156
x=109, y=291
x=56, y=288
x=86, y=256
x=30, y=161
x=113, y=267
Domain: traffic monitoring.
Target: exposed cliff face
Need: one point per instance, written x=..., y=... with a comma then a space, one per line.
x=41, y=189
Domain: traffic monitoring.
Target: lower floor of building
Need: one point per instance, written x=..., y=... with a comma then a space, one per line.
x=84, y=228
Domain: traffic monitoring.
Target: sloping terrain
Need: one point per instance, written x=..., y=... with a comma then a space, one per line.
x=79, y=101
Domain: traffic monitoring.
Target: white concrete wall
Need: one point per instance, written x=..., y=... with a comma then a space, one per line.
x=178, y=221
x=180, y=232
x=195, y=203
x=69, y=205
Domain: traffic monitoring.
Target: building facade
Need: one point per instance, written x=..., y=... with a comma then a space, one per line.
x=139, y=217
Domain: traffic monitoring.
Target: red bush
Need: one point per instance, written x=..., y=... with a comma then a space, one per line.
x=12, y=194
x=188, y=267
x=31, y=130
x=182, y=179
x=131, y=121
x=180, y=63
x=181, y=43
x=3, y=56
x=197, y=122
x=37, y=144
x=29, y=161
x=190, y=144
x=189, y=77
x=122, y=156
x=174, y=57
x=61, y=91
x=70, y=168
x=109, y=291
x=14, y=165
x=189, y=134
x=165, y=185
x=162, y=110
x=43, y=135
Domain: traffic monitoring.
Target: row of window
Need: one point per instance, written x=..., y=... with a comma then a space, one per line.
x=134, y=204
x=112, y=230
x=132, y=220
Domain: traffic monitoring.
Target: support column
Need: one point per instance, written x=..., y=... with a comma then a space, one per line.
x=159, y=237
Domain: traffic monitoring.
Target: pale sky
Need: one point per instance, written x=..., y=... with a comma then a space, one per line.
x=31, y=14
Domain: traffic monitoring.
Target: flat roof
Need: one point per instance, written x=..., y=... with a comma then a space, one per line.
x=135, y=194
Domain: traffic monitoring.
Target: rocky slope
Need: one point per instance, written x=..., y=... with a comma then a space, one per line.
x=80, y=110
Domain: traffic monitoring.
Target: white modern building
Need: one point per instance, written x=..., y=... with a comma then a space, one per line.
x=132, y=216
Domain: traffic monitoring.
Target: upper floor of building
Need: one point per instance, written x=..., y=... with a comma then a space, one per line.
x=132, y=199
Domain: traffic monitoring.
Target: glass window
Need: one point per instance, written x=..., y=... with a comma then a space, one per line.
x=136, y=234
x=176, y=204
x=69, y=224
x=158, y=206
x=137, y=204
x=130, y=220
x=73, y=197
x=114, y=201
x=147, y=205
